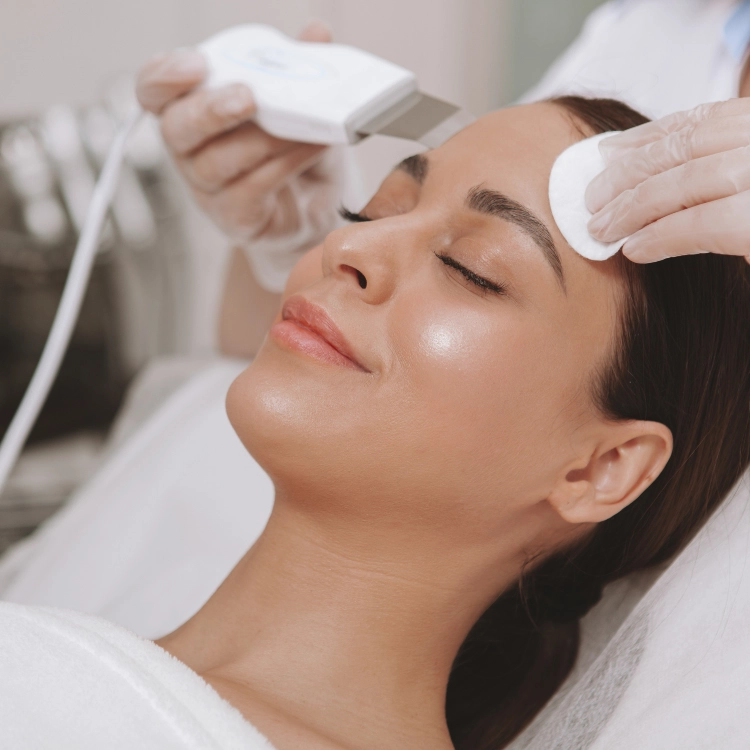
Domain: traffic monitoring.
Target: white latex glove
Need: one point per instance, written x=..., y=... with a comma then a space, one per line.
x=274, y=198
x=677, y=186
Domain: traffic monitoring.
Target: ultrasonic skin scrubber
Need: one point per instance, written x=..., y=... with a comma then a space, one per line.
x=327, y=93
x=304, y=91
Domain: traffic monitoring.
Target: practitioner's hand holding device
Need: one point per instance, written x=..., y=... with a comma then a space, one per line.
x=250, y=183
x=677, y=186
x=326, y=93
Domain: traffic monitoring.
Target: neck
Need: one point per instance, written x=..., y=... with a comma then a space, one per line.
x=357, y=627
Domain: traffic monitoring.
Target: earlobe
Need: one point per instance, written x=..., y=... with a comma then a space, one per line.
x=571, y=496
x=620, y=467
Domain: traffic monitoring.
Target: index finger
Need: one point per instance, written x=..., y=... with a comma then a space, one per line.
x=721, y=226
x=615, y=146
x=680, y=147
x=168, y=77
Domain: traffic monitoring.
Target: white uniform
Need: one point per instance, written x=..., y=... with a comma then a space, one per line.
x=659, y=56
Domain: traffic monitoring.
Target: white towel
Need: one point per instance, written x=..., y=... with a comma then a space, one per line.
x=69, y=680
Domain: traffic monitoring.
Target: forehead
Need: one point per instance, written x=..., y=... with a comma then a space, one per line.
x=512, y=151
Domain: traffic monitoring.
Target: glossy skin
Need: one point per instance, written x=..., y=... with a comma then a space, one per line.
x=413, y=488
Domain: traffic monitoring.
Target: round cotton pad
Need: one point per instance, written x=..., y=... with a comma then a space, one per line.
x=571, y=174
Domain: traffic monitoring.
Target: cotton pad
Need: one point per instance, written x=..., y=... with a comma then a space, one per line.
x=571, y=174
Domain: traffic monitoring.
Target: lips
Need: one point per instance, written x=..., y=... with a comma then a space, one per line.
x=307, y=328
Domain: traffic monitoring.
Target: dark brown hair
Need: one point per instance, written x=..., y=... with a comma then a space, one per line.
x=682, y=358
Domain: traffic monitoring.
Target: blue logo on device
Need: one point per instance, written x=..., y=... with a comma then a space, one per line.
x=276, y=61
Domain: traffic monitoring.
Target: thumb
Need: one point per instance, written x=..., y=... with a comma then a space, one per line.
x=316, y=31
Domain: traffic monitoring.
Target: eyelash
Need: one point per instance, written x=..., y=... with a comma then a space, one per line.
x=348, y=215
x=479, y=281
x=484, y=284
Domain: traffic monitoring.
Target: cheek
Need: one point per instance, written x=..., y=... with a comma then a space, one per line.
x=442, y=342
x=295, y=417
x=307, y=270
x=468, y=352
x=487, y=389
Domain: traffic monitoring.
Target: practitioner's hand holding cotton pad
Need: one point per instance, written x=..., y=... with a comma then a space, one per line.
x=571, y=174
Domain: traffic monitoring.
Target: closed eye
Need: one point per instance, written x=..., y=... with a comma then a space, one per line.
x=484, y=284
x=479, y=281
x=348, y=215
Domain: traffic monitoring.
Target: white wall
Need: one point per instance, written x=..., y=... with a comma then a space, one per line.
x=66, y=50
x=539, y=30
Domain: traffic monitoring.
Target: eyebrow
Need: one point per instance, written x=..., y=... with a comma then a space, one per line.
x=494, y=203
x=416, y=166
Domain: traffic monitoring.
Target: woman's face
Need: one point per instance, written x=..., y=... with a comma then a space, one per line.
x=475, y=328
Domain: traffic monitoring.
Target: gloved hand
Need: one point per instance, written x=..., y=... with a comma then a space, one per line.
x=677, y=186
x=274, y=198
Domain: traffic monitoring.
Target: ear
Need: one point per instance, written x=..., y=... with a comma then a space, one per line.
x=625, y=461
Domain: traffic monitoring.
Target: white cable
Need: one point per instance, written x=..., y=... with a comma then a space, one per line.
x=70, y=304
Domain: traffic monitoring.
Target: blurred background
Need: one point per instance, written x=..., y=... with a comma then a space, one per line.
x=66, y=72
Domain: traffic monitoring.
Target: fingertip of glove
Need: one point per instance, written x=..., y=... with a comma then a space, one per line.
x=598, y=225
x=634, y=252
x=185, y=62
x=317, y=31
x=616, y=146
x=591, y=196
x=168, y=75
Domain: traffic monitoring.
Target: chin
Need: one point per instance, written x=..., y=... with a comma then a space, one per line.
x=327, y=442
x=297, y=418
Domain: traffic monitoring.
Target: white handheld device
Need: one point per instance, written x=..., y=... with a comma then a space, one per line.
x=326, y=93
x=318, y=93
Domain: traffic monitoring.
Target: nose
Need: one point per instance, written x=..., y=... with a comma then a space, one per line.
x=366, y=257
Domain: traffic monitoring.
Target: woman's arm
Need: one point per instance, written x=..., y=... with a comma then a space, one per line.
x=247, y=310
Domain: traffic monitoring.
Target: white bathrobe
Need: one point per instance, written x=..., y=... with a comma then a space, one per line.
x=77, y=682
